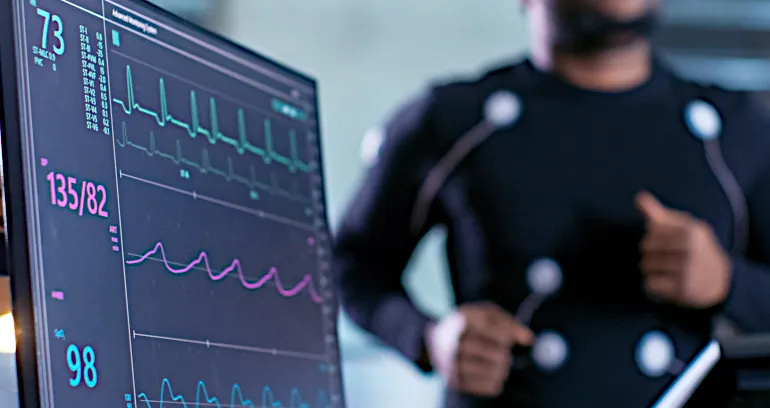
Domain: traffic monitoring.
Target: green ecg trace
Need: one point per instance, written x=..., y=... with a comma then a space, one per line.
x=214, y=135
x=205, y=167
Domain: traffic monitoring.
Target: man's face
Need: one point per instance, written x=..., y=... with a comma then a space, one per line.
x=587, y=26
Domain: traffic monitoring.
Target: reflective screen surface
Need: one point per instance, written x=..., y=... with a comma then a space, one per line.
x=175, y=210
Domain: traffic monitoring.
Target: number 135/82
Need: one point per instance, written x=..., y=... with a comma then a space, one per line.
x=79, y=196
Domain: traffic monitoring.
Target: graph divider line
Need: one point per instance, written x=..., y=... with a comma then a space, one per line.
x=195, y=195
x=117, y=195
x=239, y=347
x=85, y=10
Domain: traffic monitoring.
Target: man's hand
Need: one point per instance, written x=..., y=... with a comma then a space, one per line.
x=472, y=347
x=682, y=260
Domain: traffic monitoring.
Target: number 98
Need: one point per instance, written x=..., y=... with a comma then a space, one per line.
x=83, y=368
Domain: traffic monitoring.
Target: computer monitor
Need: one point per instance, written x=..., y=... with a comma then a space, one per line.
x=165, y=214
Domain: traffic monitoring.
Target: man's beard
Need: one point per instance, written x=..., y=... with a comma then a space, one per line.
x=584, y=31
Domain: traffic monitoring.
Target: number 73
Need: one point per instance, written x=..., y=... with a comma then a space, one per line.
x=57, y=33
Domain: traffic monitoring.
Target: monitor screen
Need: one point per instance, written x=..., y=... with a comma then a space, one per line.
x=172, y=210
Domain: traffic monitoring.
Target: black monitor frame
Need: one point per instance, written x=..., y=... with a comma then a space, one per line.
x=15, y=203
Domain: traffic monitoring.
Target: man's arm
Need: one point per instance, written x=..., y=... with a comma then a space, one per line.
x=374, y=243
x=684, y=262
x=748, y=304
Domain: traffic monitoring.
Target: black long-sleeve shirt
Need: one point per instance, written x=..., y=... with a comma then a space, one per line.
x=559, y=183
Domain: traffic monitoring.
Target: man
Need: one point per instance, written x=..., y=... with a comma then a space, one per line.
x=601, y=212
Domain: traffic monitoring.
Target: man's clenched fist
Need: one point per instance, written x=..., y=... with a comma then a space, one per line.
x=682, y=260
x=472, y=348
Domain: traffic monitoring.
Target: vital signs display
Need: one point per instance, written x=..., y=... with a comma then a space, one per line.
x=176, y=239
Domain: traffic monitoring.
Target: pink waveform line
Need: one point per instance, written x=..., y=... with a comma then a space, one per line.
x=306, y=282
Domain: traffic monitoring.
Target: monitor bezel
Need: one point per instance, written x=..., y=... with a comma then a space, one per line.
x=15, y=201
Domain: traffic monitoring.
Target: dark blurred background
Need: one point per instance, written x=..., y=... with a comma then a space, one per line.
x=723, y=41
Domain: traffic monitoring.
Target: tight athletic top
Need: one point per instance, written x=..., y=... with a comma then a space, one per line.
x=534, y=181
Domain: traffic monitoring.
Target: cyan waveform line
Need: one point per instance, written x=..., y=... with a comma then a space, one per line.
x=235, y=266
x=237, y=400
x=205, y=166
x=214, y=135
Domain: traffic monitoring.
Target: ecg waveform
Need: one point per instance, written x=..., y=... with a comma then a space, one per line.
x=205, y=167
x=214, y=135
x=237, y=400
x=235, y=266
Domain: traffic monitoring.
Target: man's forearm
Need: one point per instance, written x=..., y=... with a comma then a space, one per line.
x=394, y=320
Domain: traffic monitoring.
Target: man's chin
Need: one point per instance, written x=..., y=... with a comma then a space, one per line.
x=610, y=43
x=624, y=40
